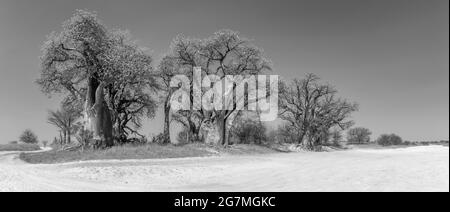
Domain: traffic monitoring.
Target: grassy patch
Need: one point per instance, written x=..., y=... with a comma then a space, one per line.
x=148, y=151
x=19, y=147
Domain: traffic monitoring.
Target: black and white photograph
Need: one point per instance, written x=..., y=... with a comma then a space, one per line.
x=243, y=100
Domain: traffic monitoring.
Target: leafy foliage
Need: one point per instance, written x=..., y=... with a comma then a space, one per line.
x=85, y=49
x=389, y=140
x=358, y=135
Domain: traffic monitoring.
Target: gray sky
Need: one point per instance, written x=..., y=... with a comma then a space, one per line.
x=389, y=56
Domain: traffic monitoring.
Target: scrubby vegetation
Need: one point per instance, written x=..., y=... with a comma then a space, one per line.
x=425, y=143
x=14, y=146
x=248, y=131
x=389, y=140
x=28, y=137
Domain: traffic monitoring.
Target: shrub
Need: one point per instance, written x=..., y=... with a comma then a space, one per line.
x=158, y=139
x=389, y=140
x=249, y=131
x=284, y=134
x=84, y=137
x=28, y=137
x=358, y=135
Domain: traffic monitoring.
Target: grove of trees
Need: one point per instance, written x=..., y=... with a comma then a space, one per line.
x=109, y=86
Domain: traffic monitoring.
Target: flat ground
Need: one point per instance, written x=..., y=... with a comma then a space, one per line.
x=423, y=168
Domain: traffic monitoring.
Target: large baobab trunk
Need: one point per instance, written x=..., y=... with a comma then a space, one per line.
x=97, y=115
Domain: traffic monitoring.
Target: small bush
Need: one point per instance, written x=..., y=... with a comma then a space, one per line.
x=358, y=135
x=389, y=140
x=28, y=137
x=249, y=131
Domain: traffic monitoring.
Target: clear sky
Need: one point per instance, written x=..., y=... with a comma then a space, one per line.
x=392, y=57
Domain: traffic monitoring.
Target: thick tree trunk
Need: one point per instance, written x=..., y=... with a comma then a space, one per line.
x=223, y=132
x=97, y=115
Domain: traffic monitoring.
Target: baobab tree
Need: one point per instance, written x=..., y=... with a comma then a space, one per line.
x=167, y=69
x=104, y=72
x=224, y=54
x=312, y=109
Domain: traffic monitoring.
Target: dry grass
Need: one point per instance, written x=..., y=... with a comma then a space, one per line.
x=148, y=151
x=19, y=147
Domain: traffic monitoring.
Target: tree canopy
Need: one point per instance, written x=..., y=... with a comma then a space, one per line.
x=86, y=54
x=224, y=53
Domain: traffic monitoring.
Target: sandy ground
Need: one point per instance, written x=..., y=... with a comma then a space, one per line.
x=406, y=169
